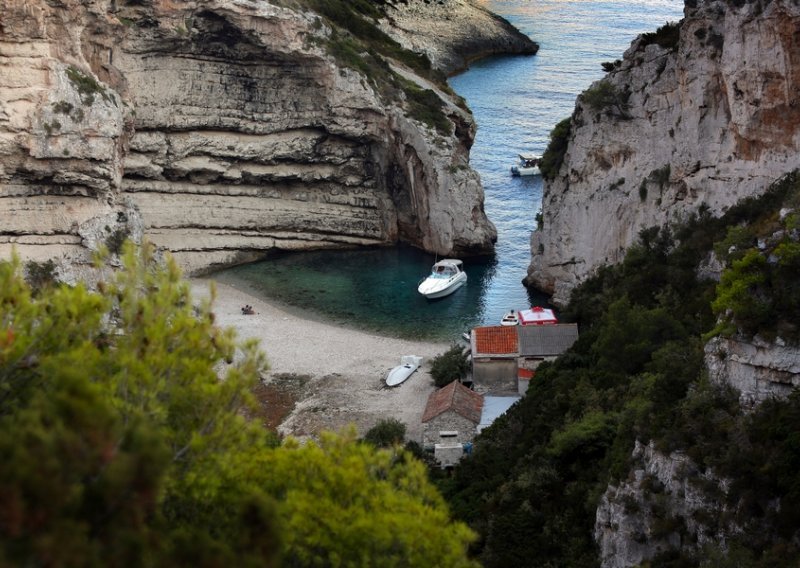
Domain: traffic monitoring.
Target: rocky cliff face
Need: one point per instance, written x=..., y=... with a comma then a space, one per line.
x=702, y=121
x=757, y=369
x=452, y=32
x=222, y=130
x=667, y=503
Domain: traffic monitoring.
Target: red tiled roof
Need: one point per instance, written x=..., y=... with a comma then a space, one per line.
x=496, y=340
x=455, y=397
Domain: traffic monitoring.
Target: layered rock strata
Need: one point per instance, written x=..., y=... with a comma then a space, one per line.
x=452, y=33
x=759, y=370
x=701, y=122
x=222, y=130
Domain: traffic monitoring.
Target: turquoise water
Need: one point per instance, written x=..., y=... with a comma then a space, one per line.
x=516, y=101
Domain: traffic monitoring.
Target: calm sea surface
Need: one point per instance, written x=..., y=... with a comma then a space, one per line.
x=516, y=101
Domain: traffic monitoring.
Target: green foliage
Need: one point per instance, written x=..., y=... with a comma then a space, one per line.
x=736, y=294
x=346, y=504
x=532, y=485
x=553, y=156
x=449, y=366
x=116, y=239
x=605, y=97
x=122, y=446
x=62, y=107
x=661, y=175
x=357, y=19
x=426, y=106
x=760, y=292
x=386, y=433
x=87, y=86
x=609, y=66
x=667, y=36
x=736, y=243
x=40, y=275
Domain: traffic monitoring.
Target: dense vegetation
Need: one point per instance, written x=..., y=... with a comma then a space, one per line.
x=553, y=156
x=121, y=446
x=667, y=36
x=452, y=365
x=533, y=483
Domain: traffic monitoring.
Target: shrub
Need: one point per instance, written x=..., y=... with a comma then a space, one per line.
x=553, y=156
x=449, y=366
x=666, y=36
x=426, y=106
x=604, y=96
x=40, y=275
x=386, y=433
x=116, y=240
x=87, y=86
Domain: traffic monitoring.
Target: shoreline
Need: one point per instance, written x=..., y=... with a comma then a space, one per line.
x=341, y=369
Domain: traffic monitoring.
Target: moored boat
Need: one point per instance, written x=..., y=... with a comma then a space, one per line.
x=408, y=364
x=446, y=277
x=510, y=318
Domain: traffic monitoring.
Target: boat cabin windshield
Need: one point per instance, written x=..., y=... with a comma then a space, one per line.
x=443, y=271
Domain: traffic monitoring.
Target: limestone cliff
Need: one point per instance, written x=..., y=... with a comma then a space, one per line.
x=452, y=32
x=700, y=114
x=221, y=130
x=667, y=503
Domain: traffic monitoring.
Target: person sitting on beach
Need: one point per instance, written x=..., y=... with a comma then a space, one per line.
x=247, y=310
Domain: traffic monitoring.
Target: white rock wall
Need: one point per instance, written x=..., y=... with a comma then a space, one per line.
x=226, y=126
x=721, y=111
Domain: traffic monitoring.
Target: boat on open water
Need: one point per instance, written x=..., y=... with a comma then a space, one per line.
x=528, y=165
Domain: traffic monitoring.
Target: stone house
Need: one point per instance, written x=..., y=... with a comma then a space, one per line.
x=450, y=421
x=451, y=415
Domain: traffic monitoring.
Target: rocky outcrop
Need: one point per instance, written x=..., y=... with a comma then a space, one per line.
x=221, y=130
x=757, y=369
x=452, y=32
x=675, y=125
x=666, y=503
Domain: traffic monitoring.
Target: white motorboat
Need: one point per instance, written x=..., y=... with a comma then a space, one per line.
x=408, y=364
x=446, y=277
x=528, y=165
x=510, y=318
x=537, y=316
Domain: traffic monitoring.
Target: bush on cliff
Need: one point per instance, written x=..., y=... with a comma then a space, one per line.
x=553, y=156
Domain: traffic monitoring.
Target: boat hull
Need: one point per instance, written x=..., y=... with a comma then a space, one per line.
x=440, y=292
x=408, y=364
x=517, y=172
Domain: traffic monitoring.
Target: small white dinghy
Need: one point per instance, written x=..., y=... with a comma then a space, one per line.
x=408, y=364
x=510, y=318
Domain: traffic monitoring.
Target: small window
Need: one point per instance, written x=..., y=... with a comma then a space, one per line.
x=448, y=434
